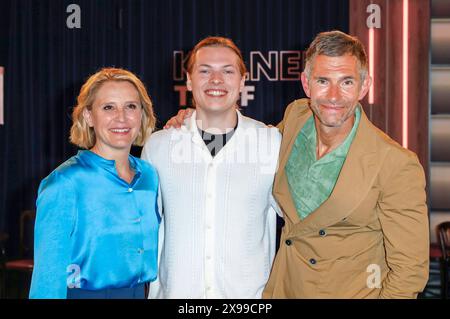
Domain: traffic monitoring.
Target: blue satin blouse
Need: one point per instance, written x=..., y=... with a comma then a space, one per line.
x=94, y=230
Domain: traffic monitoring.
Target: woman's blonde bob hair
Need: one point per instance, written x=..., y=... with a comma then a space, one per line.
x=84, y=136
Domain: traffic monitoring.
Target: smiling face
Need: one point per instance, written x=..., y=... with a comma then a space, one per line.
x=115, y=116
x=334, y=88
x=215, y=80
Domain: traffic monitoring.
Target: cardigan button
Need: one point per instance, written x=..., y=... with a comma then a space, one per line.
x=288, y=242
x=322, y=233
x=312, y=261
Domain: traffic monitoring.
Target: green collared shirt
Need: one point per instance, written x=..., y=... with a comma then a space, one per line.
x=311, y=181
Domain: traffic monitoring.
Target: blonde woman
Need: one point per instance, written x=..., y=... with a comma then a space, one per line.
x=96, y=233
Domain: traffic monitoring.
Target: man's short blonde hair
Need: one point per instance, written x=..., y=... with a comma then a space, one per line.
x=84, y=136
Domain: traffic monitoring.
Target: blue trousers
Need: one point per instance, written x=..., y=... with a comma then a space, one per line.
x=136, y=292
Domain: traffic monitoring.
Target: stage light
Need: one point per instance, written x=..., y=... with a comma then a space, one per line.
x=371, y=65
x=405, y=76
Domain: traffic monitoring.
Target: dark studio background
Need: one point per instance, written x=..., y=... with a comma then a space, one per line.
x=46, y=63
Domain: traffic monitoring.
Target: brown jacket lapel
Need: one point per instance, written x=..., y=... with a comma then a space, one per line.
x=296, y=115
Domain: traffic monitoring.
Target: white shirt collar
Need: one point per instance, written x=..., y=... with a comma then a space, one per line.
x=191, y=126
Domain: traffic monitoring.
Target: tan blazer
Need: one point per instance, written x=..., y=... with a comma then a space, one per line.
x=370, y=238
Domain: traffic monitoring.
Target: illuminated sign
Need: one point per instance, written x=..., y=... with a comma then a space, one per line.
x=273, y=66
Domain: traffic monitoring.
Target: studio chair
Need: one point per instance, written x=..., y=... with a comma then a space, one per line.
x=22, y=266
x=443, y=230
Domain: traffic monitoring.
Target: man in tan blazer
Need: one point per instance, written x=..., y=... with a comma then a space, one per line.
x=368, y=238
